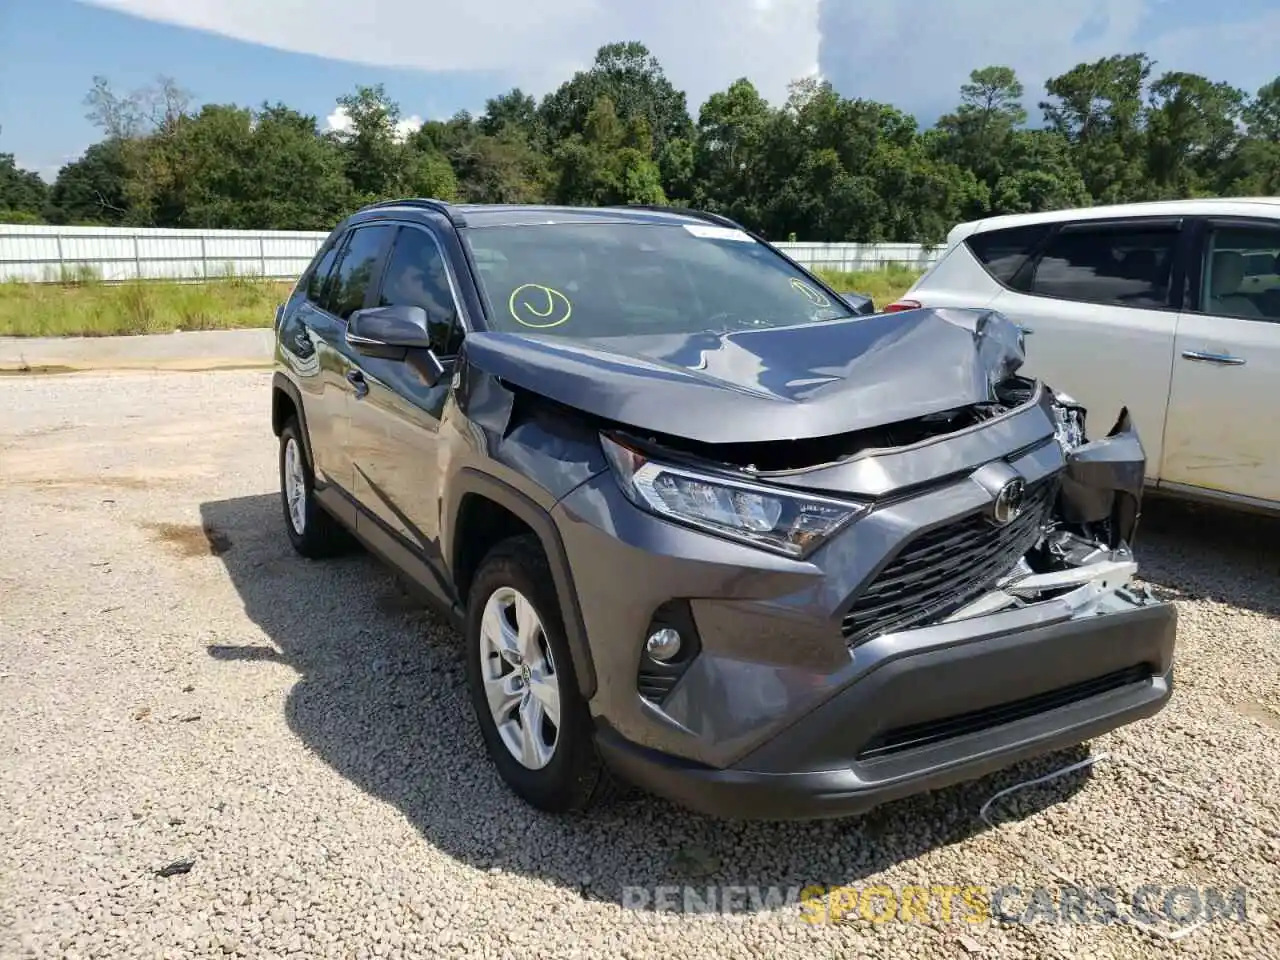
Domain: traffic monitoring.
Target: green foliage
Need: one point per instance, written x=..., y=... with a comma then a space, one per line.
x=83, y=307
x=631, y=78
x=883, y=286
x=93, y=188
x=22, y=193
x=819, y=166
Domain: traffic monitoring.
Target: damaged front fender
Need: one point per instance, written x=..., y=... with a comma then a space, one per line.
x=1103, y=482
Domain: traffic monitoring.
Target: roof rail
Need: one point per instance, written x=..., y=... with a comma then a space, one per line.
x=687, y=212
x=440, y=206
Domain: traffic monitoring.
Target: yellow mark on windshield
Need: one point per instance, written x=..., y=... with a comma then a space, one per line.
x=810, y=294
x=549, y=306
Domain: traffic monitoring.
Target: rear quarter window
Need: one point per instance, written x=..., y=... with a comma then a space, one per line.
x=317, y=278
x=1003, y=253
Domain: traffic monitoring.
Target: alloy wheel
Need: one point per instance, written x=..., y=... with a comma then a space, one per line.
x=520, y=680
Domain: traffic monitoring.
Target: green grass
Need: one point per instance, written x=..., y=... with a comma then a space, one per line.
x=883, y=286
x=86, y=307
x=82, y=306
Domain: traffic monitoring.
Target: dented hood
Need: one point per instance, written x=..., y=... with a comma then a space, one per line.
x=781, y=383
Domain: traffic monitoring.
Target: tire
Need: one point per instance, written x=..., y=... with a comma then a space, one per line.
x=312, y=530
x=573, y=778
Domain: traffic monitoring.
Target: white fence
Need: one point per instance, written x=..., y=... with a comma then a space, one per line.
x=42, y=253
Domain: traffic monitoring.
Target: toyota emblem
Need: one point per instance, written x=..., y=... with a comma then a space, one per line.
x=1008, y=503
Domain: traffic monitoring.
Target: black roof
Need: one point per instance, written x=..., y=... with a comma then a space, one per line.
x=514, y=214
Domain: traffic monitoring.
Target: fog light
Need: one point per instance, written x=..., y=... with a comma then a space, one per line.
x=663, y=644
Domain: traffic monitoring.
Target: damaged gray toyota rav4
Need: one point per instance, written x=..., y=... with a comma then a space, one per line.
x=707, y=526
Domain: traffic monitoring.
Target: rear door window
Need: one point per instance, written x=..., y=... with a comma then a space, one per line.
x=1003, y=253
x=1122, y=266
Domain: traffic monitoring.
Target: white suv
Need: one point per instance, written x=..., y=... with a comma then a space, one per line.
x=1171, y=309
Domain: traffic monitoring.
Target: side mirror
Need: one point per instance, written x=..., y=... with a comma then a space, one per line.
x=859, y=303
x=396, y=333
x=388, y=333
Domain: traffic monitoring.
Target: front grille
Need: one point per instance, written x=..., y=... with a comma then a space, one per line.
x=941, y=570
x=918, y=735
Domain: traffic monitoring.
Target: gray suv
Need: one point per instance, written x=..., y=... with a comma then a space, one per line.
x=705, y=525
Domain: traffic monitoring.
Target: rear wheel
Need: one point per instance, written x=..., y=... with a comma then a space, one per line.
x=535, y=723
x=313, y=532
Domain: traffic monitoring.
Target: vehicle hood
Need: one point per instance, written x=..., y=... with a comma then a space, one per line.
x=780, y=383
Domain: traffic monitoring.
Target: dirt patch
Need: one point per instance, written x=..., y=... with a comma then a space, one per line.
x=106, y=480
x=1260, y=712
x=178, y=365
x=46, y=431
x=192, y=539
x=38, y=369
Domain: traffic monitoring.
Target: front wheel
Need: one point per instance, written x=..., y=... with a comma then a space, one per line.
x=534, y=721
x=313, y=532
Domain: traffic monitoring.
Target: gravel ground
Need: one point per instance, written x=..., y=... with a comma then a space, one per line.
x=177, y=687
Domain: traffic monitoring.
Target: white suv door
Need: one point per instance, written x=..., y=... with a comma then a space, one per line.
x=1097, y=302
x=1220, y=434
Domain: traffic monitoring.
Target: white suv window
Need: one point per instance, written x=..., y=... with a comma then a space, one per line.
x=1242, y=273
x=1123, y=266
x=1004, y=252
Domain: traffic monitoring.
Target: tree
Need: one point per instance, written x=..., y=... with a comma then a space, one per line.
x=488, y=168
x=293, y=179
x=1098, y=108
x=979, y=135
x=1039, y=175
x=22, y=192
x=1192, y=127
x=1262, y=114
x=146, y=110
x=375, y=161
x=609, y=163
x=820, y=166
x=633, y=81
x=1254, y=168
x=94, y=188
x=730, y=135
x=514, y=113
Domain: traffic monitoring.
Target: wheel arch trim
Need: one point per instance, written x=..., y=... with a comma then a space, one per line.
x=470, y=481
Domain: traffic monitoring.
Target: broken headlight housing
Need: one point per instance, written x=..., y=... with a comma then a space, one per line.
x=1069, y=422
x=767, y=517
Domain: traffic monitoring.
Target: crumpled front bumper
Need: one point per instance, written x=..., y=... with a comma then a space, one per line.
x=940, y=705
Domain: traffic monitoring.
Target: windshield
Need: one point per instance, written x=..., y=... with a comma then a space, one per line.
x=626, y=279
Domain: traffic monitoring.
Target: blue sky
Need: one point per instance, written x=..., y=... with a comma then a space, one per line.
x=438, y=56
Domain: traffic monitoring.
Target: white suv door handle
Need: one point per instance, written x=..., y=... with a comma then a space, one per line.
x=1223, y=358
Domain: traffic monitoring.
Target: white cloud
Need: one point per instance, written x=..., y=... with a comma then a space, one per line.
x=407, y=126
x=340, y=122
x=913, y=53
x=703, y=44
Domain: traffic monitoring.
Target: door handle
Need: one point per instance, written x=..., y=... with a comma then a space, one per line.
x=357, y=380
x=1222, y=358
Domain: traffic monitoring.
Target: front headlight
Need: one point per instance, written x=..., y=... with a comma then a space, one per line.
x=766, y=517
